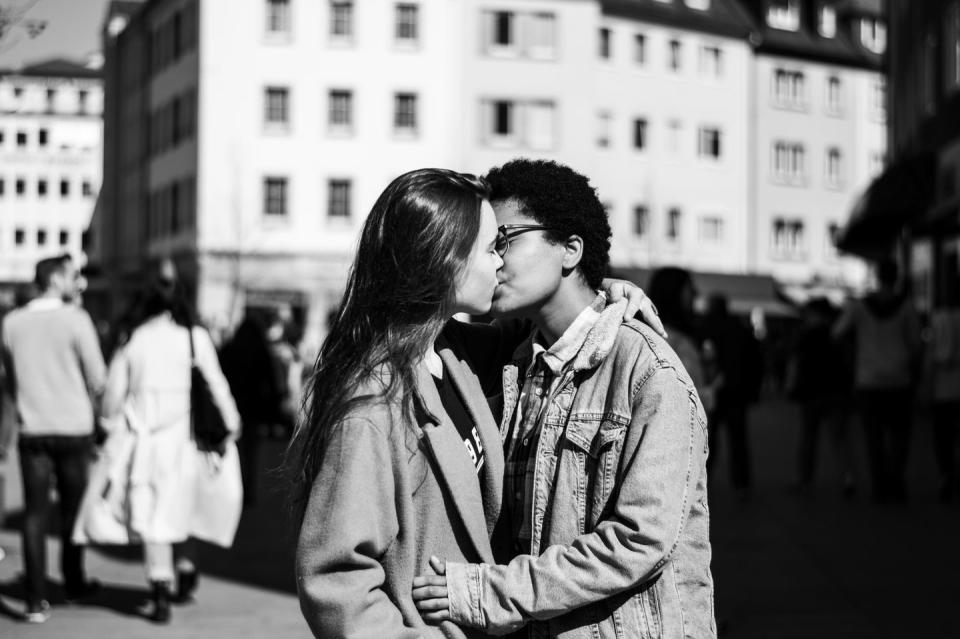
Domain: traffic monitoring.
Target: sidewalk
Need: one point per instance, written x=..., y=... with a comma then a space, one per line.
x=786, y=567
x=247, y=591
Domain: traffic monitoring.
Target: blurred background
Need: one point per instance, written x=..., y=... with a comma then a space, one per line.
x=776, y=150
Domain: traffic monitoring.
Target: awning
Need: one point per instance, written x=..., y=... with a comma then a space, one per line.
x=897, y=198
x=743, y=292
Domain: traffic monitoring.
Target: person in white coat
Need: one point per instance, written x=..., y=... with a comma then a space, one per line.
x=148, y=392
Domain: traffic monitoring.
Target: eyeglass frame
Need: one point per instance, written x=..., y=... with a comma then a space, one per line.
x=510, y=231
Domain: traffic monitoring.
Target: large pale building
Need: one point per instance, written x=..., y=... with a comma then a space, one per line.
x=50, y=164
x=251, y=154
x=818, y=136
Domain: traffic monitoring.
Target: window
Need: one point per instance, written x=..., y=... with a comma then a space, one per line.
x=502, y=27
x=64, y=187
x=82, y=101
x=675, y=55
x=784, y=14
x=673, y=224
x=834, y=168
x=43, y=137
x=639, y=133
x=539, y=125
x=512, y=124
x=640, y=49
x=405, y=112
x=641, y=215
x=605, y=43
x=275, y=196
x=876, y=163
x=21, y=138
x=711, y=229
x=873, y=34
x=512, y=34
x=789, y=88
x=788, y=161
x=278, y=16
x=603, y=129
x=503, y=118
x=41, y=237
x=20, y=186
x=676, y=132
x=64, y=237
x=338, y=204
x=711, y=61
x=86, y=188
x=3, y=185
x=277, y=105
x=341, y=19
x=541, y=33
x=708, y=145
x=834, y=96
x=17, y=92
x=833, y=235
x=787, y=238
x=827, y=21
x=340, y=109
x=42, y=188
x=406, y=22
x=878, y=97
x=1, y=137
x=19, y=237
x=51, y=100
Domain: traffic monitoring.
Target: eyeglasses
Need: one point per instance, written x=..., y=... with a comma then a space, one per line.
x=507, y=232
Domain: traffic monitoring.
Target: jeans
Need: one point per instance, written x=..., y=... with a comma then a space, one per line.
x=829, y=413
x=946, y=424
x=887, y=417
x=42, y=458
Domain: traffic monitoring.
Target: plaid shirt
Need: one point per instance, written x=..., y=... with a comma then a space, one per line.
x=520, y=447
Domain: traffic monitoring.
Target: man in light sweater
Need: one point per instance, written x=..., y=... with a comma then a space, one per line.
x=55, y=373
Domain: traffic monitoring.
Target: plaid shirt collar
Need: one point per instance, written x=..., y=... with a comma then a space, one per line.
x=566, y=348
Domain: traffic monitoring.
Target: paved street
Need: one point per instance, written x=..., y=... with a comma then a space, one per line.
x=785, y=566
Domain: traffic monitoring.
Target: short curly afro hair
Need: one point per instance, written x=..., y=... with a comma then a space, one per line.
x=555, y=195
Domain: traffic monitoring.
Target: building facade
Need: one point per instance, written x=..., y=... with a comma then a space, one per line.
x=50, y=164
x=252, y=154
x=818, y=137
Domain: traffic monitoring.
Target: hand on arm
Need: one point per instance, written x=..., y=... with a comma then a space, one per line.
x=430, y=593
x=637, y=301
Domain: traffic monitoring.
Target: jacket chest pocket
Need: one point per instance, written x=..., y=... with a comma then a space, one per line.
x=594, y=448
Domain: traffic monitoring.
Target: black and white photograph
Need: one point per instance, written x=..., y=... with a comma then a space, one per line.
x=423, y=319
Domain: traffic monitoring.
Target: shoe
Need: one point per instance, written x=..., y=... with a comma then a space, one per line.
x=84, y=590
x=37, y=612
x=186, y=585
x=160, y=612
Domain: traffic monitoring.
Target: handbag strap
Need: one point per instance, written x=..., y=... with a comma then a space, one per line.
x=193, y=356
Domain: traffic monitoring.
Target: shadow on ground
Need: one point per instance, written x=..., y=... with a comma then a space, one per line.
x=261, y=555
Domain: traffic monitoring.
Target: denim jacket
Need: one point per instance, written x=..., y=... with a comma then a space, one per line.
x=620, y=544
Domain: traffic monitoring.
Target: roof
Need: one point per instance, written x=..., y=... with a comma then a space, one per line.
x=807, y=43
x=722, y=17
x=55, y=68
x=744, y=292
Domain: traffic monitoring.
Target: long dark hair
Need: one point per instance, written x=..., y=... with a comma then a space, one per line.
x=416, y=240
x=163, y=293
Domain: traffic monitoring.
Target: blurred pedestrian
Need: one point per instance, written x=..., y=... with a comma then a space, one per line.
x=289, y=372
x=672, y=291
x=147, y=402
x=888, y=357
x=943, y=362
x=817, y=378
x=256, y=383
x=739, y=373
x=55, y=373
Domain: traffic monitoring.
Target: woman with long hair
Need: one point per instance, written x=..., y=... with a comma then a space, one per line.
x=147, y=401
x=383, y=476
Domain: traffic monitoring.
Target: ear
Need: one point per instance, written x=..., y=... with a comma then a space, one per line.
x=572, y=252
